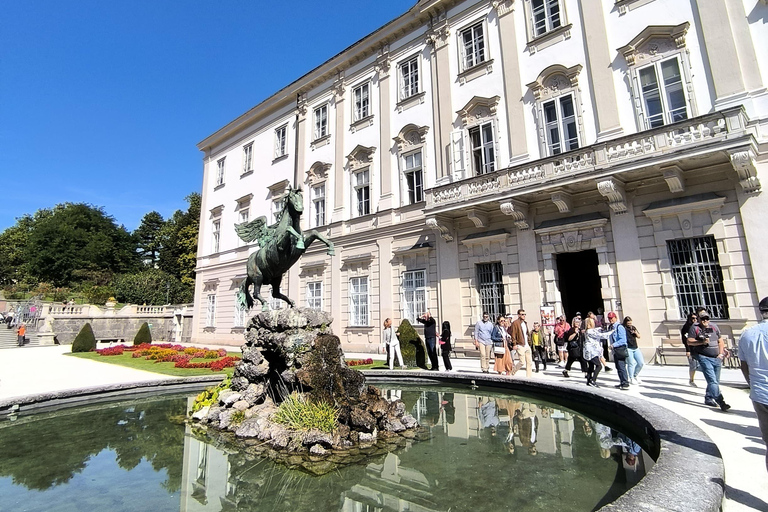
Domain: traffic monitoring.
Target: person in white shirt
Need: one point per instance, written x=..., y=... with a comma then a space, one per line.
x=393, y=343
x=753, y=353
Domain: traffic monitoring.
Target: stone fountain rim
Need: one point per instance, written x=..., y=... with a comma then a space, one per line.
x=683, y=449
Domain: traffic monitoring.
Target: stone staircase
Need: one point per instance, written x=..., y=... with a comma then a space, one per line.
x=8, y=338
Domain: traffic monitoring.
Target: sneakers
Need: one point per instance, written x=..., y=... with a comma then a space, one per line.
x=638, y=381
x=565, y=374
x=710, y=402
x=721, y=402
x=622, y=387
x=633, y=381
x=608, y=368
x=592, y=383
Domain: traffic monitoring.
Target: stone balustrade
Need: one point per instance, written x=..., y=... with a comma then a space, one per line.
x=633, y=151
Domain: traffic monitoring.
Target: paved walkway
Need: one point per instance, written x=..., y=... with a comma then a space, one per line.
x=31, y=370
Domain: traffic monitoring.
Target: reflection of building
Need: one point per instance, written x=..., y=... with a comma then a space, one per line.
x=474, y=155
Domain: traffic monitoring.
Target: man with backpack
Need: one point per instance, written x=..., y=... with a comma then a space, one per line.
x=707, y=346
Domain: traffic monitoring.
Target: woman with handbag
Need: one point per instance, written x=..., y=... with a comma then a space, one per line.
x=503, y=357
x=445, y=345
x=575, y=343
x=618, y=342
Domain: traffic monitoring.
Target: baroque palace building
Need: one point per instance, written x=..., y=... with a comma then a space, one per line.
x=473, y=156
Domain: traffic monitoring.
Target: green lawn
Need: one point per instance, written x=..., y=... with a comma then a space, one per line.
x=140, y=363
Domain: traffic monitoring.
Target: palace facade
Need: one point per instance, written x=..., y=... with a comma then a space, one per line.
x=472, y=156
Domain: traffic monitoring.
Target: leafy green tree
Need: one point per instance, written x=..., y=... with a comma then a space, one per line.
x=179, y=241
x=151, y=286
x=13, y=244
x=78, y=238
x=148, y=237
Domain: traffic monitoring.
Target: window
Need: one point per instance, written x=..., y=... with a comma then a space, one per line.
x=409, y=78
x=362, y=102
x=362, y=192
x=560, y=121
x=483, y=156
x=220, y=171
x=243, y=216
x=545, y=16
x=414, y=177
x=277, y=209
x=472, y=46
x=216, y=230
x=248, y=157
x=315, y=295
x=358, y=300
x=239, y=319
x=321, y=122
x=697, y=275
x=318, y=205
x=491, y=288
x=280, y=136
x=210, y=311
x=663, y=100
x=414, y=294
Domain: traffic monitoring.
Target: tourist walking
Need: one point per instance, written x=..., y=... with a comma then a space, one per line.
x=445, y=345
x=20, y=333
x=635, y=360
x=393, y=345
x=753, y=352
x=539, y=350
x=430, y=338
x=518, y=331
x=561, y=328
x=593, y=351
x=692, y=363
x=575, y=343
x=482, y=340
x=503, y=362
x=708, y=347
x=618, y=341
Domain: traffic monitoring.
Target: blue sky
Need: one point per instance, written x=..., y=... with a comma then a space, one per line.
x=104, y=102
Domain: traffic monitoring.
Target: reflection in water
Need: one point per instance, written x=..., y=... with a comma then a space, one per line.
x=485, y=451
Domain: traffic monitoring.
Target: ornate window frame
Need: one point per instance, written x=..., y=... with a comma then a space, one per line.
x=553, y=83
x=409, y=140
x=653, y=44
x=477, y=112
x=317, y=176
x=360, y=160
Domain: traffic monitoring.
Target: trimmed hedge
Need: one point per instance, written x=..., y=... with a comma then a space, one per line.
x=412, y=346
x=143, y=336
x=85, y=341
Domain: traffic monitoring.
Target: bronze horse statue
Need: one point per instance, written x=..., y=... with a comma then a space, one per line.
x=280, y=246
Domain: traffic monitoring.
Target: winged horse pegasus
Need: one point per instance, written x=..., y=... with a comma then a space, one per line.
x=280, y=246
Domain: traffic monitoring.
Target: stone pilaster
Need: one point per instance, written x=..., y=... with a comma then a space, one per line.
x=449, y=285
x=752, y=208
x=441, y=80
x=301, y=139
x=386, y=292
x=339, y=200
x=385, y=140
x=530, y=282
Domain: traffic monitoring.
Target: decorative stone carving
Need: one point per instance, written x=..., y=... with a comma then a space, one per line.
x=518, y=212
x=613, y=190
x=438, y=35
x=674, y=178
x=477, y=109
x=302, y=104
x=339, y=87
x=479, y=219
x=503, y=7
x=442, y=227
x=410, y=137
x=383, y=62
x=555, y=79
x=318, y=172
x=744, y=164
x=654, y=40
x=361, y=156
x=563, y=201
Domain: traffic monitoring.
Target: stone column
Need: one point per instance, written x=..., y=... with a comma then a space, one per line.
x=745, y=47
x=513, y=89
x=386, y=292
x=336, y=305
x=339, y=88
x=599, y=69
x=530, y=281
x=752, y=208
x=629, y=270
x=723, y=57
x=385, y=138
x=449, y=285
x=441, y=94
x=301, y=139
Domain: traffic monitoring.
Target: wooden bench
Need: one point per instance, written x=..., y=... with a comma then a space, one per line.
x=110, y=340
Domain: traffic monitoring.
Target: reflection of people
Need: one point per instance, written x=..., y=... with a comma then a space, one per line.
x=450, y=410
x=430, y=338
x=529, y=426
x=706, y=345
x=488, y=413
x=393, y=344
x=753, y=352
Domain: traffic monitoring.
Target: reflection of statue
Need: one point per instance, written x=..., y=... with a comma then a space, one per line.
x=280, y=246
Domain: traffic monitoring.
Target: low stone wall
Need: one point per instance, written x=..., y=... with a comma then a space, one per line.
x=126, y=328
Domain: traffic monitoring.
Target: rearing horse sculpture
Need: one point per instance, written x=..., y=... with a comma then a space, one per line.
x=280, y=246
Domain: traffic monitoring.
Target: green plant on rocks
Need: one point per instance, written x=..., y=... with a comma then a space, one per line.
x=301, y=413
x=85, y=341
x=143, y=336
x=210, y=396
x=411, y=345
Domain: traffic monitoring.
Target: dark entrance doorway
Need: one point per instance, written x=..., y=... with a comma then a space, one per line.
x=579, y=283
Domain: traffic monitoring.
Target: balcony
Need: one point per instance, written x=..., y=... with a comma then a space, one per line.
x=722, y=131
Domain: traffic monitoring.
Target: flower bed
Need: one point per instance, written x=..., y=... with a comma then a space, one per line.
x=360, y=362
x=177, y=354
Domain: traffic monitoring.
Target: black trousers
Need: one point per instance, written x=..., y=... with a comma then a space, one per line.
x=447, y=359
x=540, y=355
x=575, y=355
x=432, y=353
x=593, y=369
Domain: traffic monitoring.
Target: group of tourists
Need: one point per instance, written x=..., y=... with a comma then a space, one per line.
x=446, y=339
x=10, y=321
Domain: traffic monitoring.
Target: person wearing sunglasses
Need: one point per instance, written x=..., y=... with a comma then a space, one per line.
x=692, y=363
x=707, y=345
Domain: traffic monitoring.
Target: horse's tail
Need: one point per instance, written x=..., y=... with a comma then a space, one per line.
x=244, y=299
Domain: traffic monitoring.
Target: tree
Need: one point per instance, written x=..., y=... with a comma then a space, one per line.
x=178, y=254
x=148, y=237
x=75, y=241
x=85, y=341
x=151, y=286
x=144, y=335
x=13, y=244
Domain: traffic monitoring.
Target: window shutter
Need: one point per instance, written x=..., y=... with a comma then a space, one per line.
x=462, y=52
x=496, y=143
x=401, y=76
x=457, y=154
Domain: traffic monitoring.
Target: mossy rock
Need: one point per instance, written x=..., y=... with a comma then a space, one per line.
x=143, y=336
x=85, y=341
x=412, y=346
